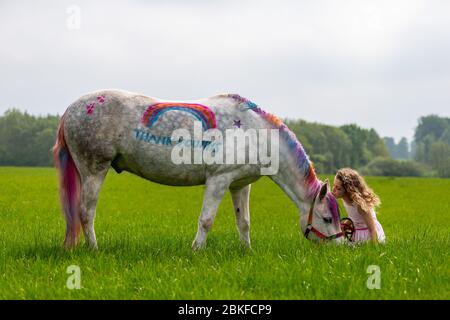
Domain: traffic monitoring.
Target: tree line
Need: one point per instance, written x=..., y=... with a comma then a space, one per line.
x=331, y=148
x=26, y=140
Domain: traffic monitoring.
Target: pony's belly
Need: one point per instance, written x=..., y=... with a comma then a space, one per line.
x=183, y=177
x=157, y=166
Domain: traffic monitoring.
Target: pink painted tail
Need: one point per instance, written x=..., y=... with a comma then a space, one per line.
x=69, y=187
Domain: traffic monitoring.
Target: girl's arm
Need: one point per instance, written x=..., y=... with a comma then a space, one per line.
x=370, y=224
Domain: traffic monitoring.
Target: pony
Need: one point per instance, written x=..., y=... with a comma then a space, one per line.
x=135, y=133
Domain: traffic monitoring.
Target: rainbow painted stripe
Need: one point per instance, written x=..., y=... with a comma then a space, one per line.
x=200, y=112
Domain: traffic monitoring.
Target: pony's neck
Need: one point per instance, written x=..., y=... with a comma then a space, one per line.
x=292, y=182
x=296, y=175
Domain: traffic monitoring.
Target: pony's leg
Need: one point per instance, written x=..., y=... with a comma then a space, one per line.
x=241, y=209
x=90, y=189
x=215, y=188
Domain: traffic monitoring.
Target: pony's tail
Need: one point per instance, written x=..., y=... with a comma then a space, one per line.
x=69, y=187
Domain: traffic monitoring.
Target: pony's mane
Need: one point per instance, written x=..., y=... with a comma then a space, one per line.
x=302, y=159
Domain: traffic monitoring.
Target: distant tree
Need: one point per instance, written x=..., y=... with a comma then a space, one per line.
x=445, y=138
x=359, y=154
x=397, y=151
x=43, y=142
x=391, y=146
x=413, y=151
x=431, y=125
x=376, y=145
x=403, y=149
x=432, y=143
x=440, y=158
x=423, y=148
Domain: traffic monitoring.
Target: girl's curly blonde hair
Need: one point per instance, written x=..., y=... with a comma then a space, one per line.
x=357, y=189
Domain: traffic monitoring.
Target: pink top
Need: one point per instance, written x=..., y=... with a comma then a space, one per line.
x=362, y=232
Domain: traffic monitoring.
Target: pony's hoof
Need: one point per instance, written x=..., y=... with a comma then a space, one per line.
x=70, y=244
x=92, y=247
x=197, y=246
x=246, y=246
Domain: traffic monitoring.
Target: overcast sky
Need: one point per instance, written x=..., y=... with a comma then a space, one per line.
x=380, y=64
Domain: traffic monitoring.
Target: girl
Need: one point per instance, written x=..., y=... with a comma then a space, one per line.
x=359, y=202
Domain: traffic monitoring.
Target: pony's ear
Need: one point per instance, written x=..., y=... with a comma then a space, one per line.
x=323, y=190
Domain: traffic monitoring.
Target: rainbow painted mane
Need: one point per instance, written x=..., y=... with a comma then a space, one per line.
x=303, y=162
x=200, y=112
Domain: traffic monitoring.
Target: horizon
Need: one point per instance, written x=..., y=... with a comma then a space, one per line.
x=378, y=65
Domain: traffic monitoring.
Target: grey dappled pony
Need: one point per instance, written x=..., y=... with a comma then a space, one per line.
x=135, y=133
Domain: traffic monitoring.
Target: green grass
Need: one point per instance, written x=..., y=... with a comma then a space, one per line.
x=145, y=230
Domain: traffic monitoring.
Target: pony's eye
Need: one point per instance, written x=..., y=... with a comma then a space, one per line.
x=327, y=220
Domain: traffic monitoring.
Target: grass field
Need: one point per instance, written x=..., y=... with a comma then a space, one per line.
x=145, y=230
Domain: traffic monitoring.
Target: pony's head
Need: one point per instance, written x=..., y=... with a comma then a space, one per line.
x=323, y=219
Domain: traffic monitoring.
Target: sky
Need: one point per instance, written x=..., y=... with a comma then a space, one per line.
x=379, y=64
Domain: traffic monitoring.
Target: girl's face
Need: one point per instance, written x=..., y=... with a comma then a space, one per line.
x=338, y=189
